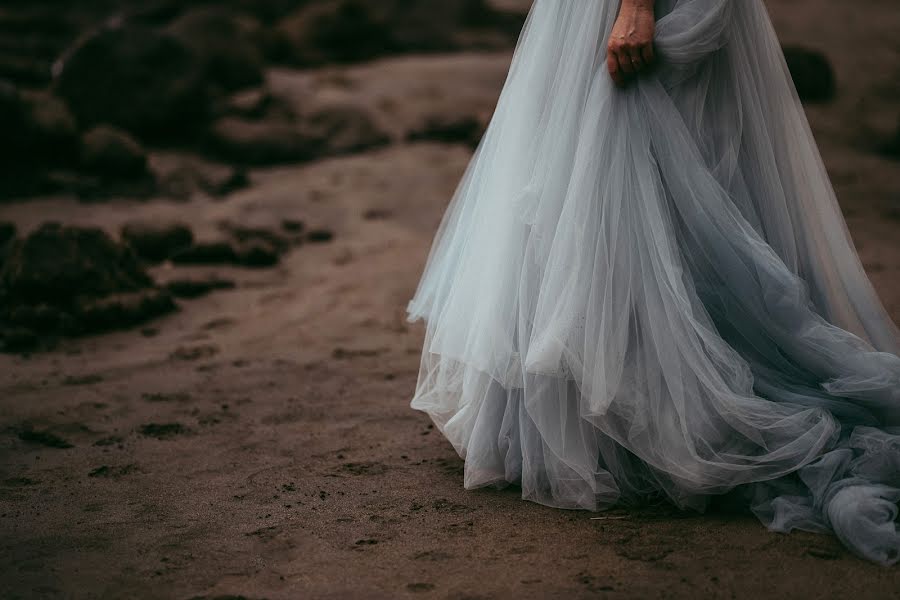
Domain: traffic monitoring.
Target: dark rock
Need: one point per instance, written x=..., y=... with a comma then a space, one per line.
x=191, y=176
x=812, y=74
x=165, y=397
x=206, y=253
x=92, y=187
x=352, y=30
x=112, y=152
x=257, y=246
x=18, y=339
x=243, y=233
x=320, y=236
x=225, y=45
x=163, y=431
x=453, y=129
x=112, y=440
x=157, y=241
x=72, y=281
x=44, y=438
x=376, y=214
x=156, y=13
x=7, y=235
x=124, y=310
x=252, y=247
x=266, y=10
x=39, y=133
x=76, y=183
x=257, y=253
x=56, y=261
x=259, y=142
x=42, y=318
x=7, y=232
x=145, y=81
x=50, y=128
x=112, y=472
x=890, y=148
x=88, y=379
x=190, y=353
x=236, y=180
x=293, y=226
x=195, y=288
x=342, y=128
x=336, y=31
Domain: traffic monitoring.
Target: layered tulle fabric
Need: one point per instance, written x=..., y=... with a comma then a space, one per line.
x=651, y=292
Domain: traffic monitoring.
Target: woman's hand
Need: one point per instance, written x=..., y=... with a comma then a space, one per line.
x=630, y=48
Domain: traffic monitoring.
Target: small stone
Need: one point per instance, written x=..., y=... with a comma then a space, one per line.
x=89, y=379
x=320, y=236
x=258, y=253
x=156, y=242
x=206, y=253
x=195, y=288
x=293, y=225
x=243, y=233
x=44, y=438
x=451, y=129
x=236, y=180
x=163, y=431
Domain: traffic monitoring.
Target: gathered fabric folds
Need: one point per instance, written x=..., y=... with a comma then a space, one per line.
x=650, y=292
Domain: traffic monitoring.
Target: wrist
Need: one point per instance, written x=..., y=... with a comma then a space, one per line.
x=638, y=4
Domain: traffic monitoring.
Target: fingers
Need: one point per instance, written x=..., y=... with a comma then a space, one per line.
x=637, y=60
x=612, y=65
x=625, y=61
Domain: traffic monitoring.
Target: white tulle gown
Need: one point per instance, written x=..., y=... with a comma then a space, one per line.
x=651, y=292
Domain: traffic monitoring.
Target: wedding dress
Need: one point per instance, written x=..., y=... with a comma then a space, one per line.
x=650, y=292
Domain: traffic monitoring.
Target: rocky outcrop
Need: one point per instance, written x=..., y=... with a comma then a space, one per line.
x=225, y=43
x=72, y=281
x=145, y=81
x=336, y=31
x=124, y=81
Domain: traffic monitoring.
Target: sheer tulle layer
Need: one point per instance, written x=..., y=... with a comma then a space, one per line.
x=651, y=291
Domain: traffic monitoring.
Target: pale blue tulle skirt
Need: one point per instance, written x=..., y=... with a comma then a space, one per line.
x=651, y=292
